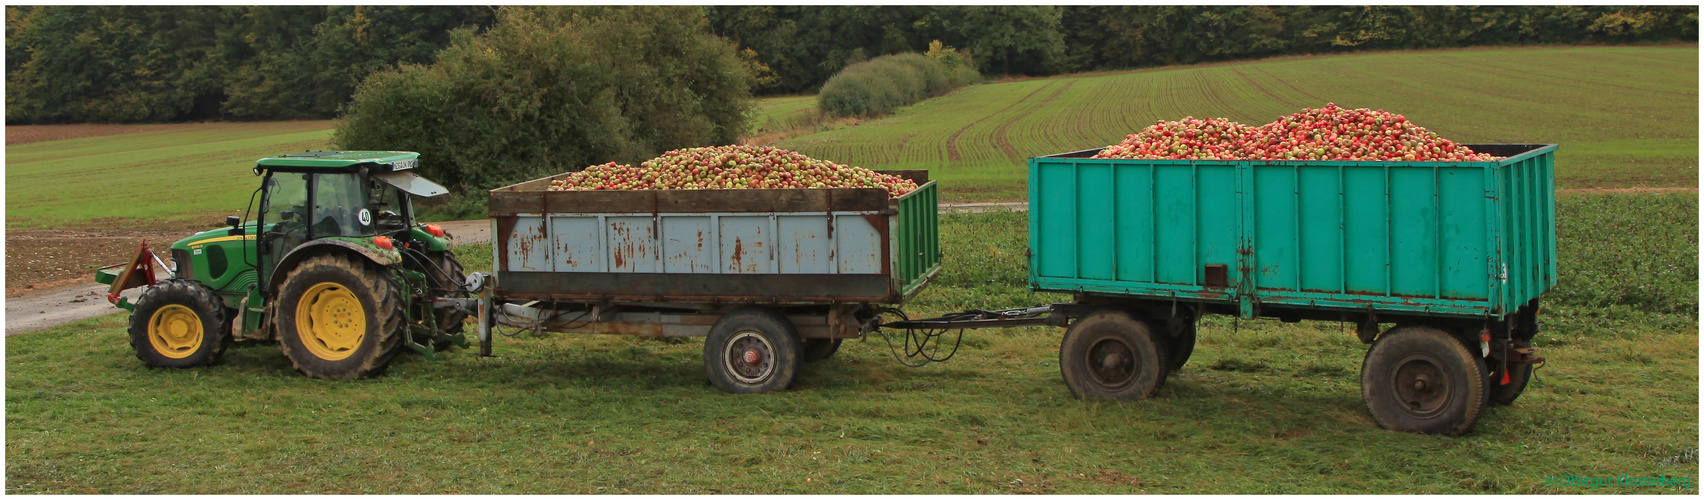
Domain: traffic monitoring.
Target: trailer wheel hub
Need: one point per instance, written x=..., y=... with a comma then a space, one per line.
x=1421, y=385
x=750, y=357
x=1112, y=362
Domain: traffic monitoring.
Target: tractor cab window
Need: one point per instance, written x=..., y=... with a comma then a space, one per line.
x=284, y=205
x=340, y=206
x=387, y=203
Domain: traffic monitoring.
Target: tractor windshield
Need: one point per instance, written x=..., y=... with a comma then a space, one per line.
x=340, y=206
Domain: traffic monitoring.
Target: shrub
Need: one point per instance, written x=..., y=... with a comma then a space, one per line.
x=881, y=85
x=549, y=90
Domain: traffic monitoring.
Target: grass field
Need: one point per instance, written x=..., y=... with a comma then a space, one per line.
x=1263, y=407
x=1625, y=116
x=777, y=114
x=169, y=175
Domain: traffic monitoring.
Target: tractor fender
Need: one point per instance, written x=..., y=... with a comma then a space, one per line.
x=328, y=245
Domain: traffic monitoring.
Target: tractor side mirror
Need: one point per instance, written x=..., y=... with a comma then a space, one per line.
x=234, y=221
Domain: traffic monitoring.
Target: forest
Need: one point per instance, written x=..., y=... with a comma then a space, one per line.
x=146, y=64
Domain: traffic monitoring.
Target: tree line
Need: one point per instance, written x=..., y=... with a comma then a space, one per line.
x=804, y=46
x=153, y=64
x=158, y=64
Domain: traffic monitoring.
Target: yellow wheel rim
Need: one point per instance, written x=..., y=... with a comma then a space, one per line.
x=330, y=321
x=175, y=331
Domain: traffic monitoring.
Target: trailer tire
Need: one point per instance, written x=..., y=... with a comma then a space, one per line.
x=753, y=350
x=179, y=323
x=1180, y=347
x=818, y=349
x=1504, y=395
x=1110, y=355
x=339, y=318
x=1422, y=379
x=450, y=319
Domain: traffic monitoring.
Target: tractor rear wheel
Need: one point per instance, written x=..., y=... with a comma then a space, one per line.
x=339, y=318
x=179, y=323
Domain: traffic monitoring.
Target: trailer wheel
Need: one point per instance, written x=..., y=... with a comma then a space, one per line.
x=339, y=318
x=816, y=349
x=1109, y=355
x=1180, y=348
x=1503, y=395
x=752, y=350
x=1422, y=379
x=179, y=324
x=450, y=320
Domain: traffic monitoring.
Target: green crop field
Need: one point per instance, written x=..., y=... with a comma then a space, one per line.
x=1262, y=407
x=776, y=114
x=179, y=173
x=1625, y=116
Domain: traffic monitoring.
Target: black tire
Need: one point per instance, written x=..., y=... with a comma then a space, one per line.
x=1503, y=395
x=179, y=323
x=1110, y=355
x=450, y=320
x=342, y=343
x=816, y=349
x=752, y=350
x=1422, y=379
x=1180, y=347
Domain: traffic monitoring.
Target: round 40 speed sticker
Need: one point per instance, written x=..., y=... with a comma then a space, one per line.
x=365, y=217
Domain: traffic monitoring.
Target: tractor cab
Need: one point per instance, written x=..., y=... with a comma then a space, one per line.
x=332, y=266
x=358, y=199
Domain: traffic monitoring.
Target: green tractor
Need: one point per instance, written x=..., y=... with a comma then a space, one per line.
x=333, y=267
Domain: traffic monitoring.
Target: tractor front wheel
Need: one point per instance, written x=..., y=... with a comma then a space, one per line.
x=179, y=324
x=339, y=318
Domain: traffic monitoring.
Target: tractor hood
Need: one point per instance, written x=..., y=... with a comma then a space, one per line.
x=413, y=184
x=214, y=236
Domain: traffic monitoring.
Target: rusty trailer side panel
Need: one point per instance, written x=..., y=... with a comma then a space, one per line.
x=757, y=246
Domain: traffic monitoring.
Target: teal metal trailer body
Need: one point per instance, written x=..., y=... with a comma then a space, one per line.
x=1457, y=239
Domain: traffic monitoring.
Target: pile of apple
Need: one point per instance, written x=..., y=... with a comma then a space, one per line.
x=731, y=167
x=1329, y=133
x=1190, y=138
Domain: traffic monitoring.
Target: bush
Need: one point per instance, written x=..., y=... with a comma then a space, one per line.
x=881, y=85
x=549, y=90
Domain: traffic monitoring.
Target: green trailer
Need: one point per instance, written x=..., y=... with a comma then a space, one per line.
x=1452, y=256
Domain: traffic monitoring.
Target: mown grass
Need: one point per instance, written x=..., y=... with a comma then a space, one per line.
x=1625, y=116
x=170, y=175
x=1263, y=407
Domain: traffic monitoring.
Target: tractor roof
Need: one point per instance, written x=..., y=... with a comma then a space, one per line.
x=338, y=160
